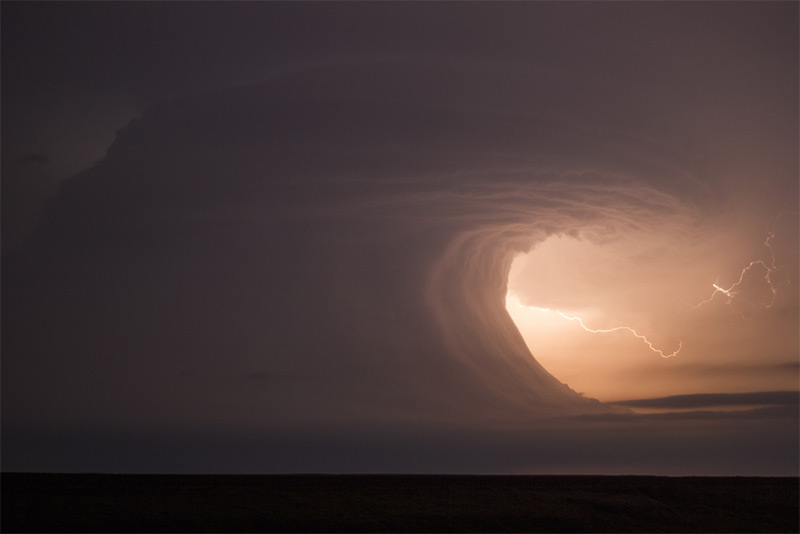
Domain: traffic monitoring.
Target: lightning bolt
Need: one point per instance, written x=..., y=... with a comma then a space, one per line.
x=768, y=266
x=628, y=329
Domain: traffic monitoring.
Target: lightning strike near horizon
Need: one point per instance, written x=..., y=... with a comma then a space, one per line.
x=608, y=330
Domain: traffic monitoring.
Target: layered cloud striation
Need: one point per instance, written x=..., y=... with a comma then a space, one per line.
x=328, y=248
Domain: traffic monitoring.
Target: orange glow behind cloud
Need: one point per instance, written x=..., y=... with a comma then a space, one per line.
x=690, y=307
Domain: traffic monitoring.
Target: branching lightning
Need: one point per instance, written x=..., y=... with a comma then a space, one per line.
x=768, y=266
x=609, y=330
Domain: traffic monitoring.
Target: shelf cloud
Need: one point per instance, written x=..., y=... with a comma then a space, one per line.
x=327, y=253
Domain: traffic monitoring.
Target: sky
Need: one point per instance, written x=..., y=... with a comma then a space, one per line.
x=400, y=237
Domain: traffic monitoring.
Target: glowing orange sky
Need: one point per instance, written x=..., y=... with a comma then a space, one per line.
x=659, y=283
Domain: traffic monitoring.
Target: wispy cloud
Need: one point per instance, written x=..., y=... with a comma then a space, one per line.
x=708, y=400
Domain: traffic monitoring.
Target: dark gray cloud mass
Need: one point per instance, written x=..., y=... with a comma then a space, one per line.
x=700, y=400
x=309, y=273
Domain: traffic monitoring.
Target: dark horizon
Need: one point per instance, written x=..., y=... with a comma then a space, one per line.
x=401, y=504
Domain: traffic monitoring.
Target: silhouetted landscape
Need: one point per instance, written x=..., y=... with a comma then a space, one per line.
x=396, y=503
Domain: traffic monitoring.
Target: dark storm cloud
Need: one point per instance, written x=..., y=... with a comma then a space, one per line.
x=315, y=265
x=356, y=237
x=33, y=159
x=704, y=400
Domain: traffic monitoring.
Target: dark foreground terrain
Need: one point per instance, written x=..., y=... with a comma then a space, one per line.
x=320, y=503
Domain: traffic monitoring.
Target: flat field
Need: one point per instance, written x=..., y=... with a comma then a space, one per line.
x=396, y=503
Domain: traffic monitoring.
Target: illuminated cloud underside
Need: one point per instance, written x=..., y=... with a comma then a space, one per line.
x=399, y=275
x=332, y=250
x=654, y=282
x=377, y=285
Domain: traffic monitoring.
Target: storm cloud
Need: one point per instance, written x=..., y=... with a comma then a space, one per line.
x=323, y=256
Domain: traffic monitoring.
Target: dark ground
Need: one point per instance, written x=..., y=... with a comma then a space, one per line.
x=386, y=503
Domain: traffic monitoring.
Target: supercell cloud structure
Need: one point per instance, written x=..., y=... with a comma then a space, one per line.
x=323, y=258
